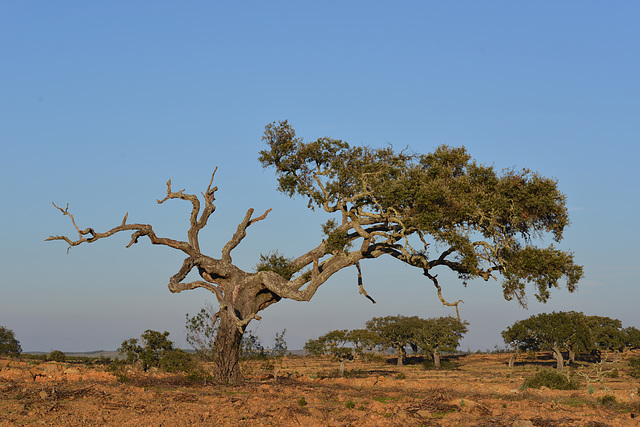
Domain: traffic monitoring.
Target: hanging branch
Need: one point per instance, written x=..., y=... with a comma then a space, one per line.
x=444, y=302
x=360, y=285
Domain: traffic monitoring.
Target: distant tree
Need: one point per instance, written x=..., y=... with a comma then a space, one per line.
x=440, y=334
x=9, y=345
x=148, y=350
x=631, y=337
x=332, y=343
x=201, y=331
x=555, y=332
x=429, y=211
x=607, y=334
x=396, y=332
x=363, y=340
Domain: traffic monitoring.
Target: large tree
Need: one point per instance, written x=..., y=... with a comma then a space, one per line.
x=555, y=332
x=427, y=210
x=440, y=334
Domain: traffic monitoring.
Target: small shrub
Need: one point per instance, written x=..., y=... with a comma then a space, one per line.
x=613, y=374
x=551, y=379
x=302, y=402
x=607, y=400
x=176, y=360
x=122, y=377
x=634, y=363
x=401, y=376
x=57, y=356
x=350, y=404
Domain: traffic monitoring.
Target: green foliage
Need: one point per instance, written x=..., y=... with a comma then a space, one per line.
x=337, y=240
x=9, y=345
x=562, y=331
x=426, y=336
x=153, y=345
x=395, y=332
x=631, y=337
x=551, y=379
x=634, y=363
x=280, y=345
x=350, y=404
x=201, y=331
x=251, y=347
x=444, y=194
x=302, y=402
x=363, y=341
x=57, y=356
x=277, y=263
x=551, y=332
x=175, y=360
x=441, y=334
x=607, y=400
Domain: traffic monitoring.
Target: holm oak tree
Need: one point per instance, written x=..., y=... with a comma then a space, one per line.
x=436, y=210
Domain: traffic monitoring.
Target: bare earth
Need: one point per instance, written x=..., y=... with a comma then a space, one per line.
x=480, y=391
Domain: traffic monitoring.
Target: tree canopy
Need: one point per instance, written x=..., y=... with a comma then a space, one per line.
x=429, y=210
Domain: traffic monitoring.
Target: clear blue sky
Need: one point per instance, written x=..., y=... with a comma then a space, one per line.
x=102, y=102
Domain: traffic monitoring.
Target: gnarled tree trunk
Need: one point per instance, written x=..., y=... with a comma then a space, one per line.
x=226, y=356
x=436, y=359
x=557, y=354
x=400, y=352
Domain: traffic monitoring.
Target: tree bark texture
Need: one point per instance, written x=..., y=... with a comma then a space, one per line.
x=557, y=354
x=226, y=355
x=436, y=359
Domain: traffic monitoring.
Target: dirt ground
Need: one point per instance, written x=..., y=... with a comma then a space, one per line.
x=479, y=390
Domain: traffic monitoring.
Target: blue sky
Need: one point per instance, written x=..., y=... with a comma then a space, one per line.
x=102, y=103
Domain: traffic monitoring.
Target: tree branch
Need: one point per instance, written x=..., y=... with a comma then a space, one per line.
x=360, y=285
x=139, y=230
x=444, y=303
x=240, y=234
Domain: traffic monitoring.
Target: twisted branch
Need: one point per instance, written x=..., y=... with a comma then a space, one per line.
x=444, y=302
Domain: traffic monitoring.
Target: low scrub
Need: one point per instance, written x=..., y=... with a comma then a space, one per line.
x=634, y=363
x=551, y=379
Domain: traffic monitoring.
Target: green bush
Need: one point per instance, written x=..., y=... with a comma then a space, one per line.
x=177, y=360
x=634, y=362
x=607, y=400
x=57, y=356
x=551, y=379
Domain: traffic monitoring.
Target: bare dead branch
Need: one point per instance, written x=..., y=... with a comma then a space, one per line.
x=240, y=234
x=360, y=285
x=139, y=230
x=444, y=302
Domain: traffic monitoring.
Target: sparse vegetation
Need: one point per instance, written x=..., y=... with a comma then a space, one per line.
x=551, y=379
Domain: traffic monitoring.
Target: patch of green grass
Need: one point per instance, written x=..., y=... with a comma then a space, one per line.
x=302, y=402
x=350, y=404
